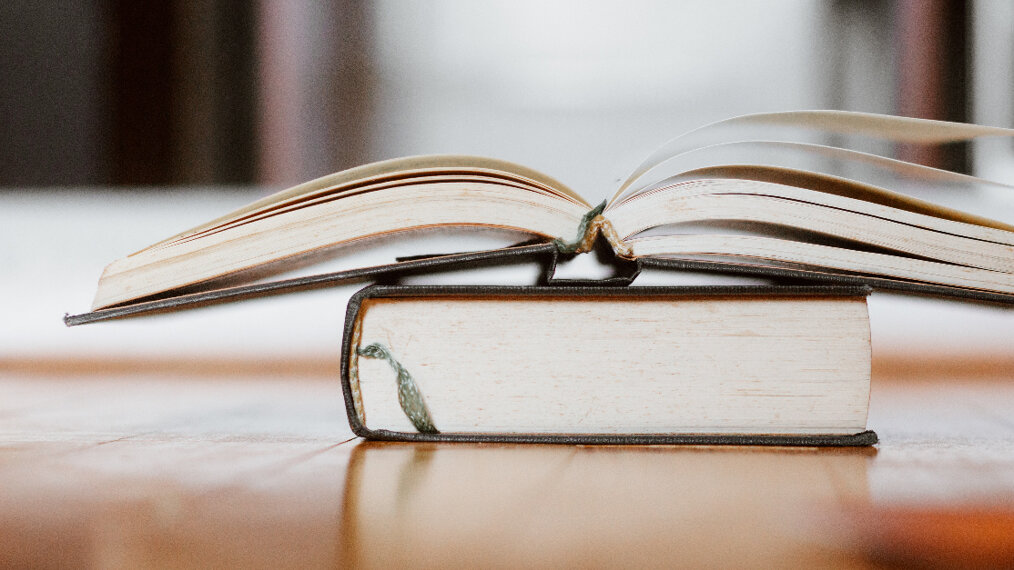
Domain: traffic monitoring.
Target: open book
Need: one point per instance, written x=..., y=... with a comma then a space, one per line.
x=700, y=200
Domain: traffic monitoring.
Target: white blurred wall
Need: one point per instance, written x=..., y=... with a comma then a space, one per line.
x=585, y=90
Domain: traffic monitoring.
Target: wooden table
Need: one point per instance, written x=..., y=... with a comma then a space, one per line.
x=169, y=464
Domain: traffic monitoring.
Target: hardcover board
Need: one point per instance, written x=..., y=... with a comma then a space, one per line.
x=547, y=255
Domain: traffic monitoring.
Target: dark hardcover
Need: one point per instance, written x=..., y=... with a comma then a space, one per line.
x=547, y=255
x=864, y=438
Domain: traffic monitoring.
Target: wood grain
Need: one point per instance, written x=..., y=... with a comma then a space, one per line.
x=163, y=470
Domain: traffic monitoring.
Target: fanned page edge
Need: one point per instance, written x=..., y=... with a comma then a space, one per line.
x=792, y=155
x=835, y=185
x=914, y=266
x=883, y=127
x=377, y=170
x=829, y=258
x=164, y=265
x=893, y=129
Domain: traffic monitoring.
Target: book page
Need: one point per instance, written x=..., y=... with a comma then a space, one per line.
x=840, y=187
x=291, y=235
x=416, y=178
x=408, y=166
x=933, y=188
x=762, y=249
x=807, y=126
x=772, y=209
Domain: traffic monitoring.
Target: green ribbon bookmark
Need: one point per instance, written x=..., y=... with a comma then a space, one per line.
x=409, y=396
x=582, y=229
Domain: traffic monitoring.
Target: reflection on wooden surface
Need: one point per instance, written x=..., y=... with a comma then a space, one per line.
x=935, y=536
x=143, y=470
x=437, y=505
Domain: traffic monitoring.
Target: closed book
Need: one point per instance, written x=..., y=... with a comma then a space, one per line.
x=727, y=364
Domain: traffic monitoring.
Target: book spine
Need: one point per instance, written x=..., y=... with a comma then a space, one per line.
x=592, y=225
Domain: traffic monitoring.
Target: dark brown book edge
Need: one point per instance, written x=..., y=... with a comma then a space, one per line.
x=865, y=438
x=542, y=253
x=828, y=277
x=545, y=254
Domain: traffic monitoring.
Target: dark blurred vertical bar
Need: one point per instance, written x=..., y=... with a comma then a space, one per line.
x=182, y=92
x=316, y=89
x=213, y=136
x=141, y=92
x=860, y=61
x=356, y=84
x=237, y=101
x=934, y=56
x=53, y=127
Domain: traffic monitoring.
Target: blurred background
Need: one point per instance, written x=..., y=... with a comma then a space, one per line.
x=277, y=92
x=123, y=122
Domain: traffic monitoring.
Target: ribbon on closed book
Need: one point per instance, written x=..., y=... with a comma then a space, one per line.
x=409, y=396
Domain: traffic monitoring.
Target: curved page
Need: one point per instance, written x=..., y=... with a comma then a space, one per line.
x=301, y=231
x=795, y=125
x=397, y=167
x=723, y=246
x=776, y=206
